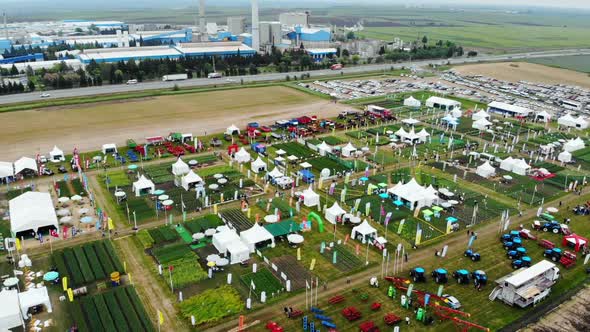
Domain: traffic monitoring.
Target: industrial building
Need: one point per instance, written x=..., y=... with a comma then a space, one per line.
x=236, y=25
x=294, y=19
x=318, y=54
x=271, y=33
x=508, y=109
x=315, y=37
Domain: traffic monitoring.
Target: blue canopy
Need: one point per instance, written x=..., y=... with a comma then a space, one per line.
x=419, y=270
x=441, y=271
x=463, y=271
x=452, y=219
x=526, y=259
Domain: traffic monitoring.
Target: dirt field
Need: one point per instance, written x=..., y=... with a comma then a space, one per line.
x=527, y=72
x=573, y=315
x=90, y=126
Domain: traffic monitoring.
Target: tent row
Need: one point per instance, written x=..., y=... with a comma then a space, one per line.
x=9, y=170
x=412, y=137
x=570, y=121
x=516, y=166
x=239, y=247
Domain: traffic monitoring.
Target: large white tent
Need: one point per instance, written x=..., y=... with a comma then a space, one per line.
x=25, y=163
x=324, y=148
x=257, y=236
x=223, y=239
x=412, y=102
x=363, y=232
x=34, y=297
x=109, y=148
x=180, y=168
x=31, y=210
x=10, y=315
x=56, y=155
x=192, y=179
x=443, y=103
x=348, y=150
x=543, y=116
x=334, y=212
x=414, y=194
x=565, y=157
x=310, y=198
x=581, y=122
x=507, y=164
x=6, y=170
x=423, y=135
x=520, y=167
x=258, y=166
x=569, y=121
x=407, y=137
x=410, y=121
x=238, y=252
x=480, y=115
x=242, y=156
x=232, y=130
x=481, y=124
x=143, y=184
x=275, y=174
x=485, y=170
x=574, y=145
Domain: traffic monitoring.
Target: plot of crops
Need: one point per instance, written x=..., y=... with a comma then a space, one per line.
x=294, y=271
x=346, y=261
x=296, y=149
x=163, y=234
x=264, y=281
x=212, y=305
x=237, y=219
x=183, y=262
x=203, y=223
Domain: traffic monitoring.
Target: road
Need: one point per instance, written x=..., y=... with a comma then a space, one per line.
x=110, y=89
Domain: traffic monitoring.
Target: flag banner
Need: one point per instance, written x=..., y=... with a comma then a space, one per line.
x=332, y=188
x=356, y=204
x=418, y=236
x=110, y=224
x=160, y=318
x=382, y=211
x=440, y=290
x=299, y=253
x=401, y=226
x=471, y=239
x=367, y=208
x=343, y=195
x=387, y=218
x=64, y=283
x=70, y=295
x=312, y=265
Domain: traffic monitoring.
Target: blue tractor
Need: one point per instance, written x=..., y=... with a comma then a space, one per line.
x=440, y=276
x=462, y=276
x=553, y=227
x=553, y=254
x=474, y=256
x=512, y=245
x=479, y=277
x=418, y=274
x=522, y=262
x=517, y=253
x=509, y=236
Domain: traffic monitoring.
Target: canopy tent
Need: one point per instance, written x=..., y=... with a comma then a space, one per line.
x=348, y=150
x=143, y=184
x=110, y=148
x=6, y=169
x=543, y=116
x=324, y=148
x=282, y=228
x=569, y=121
x=31, y=210
x=565, y=157
x=480, y=115
x=451, y=120
x=180, y=168
x=275, y=174
x=481, y=124
x=576, y=241
x=574, y=145
x=310, y=198
x=507, y=164
x=581, y=122
x=25, y=163
x=423, y=135
x=10, y=315
x=334, y=212
x=242, y=156
x=443, y=103
x=191, y=180
x=520, y=167
x=56, y=155
x=414, y=194
x=257, y=236
x=222, y=240
x=238, y=252
x=363, y=232
x=410, y=121
x=407, y=137
x=412, y=102
x=485, y=170
x=232, y=130
x=34, y=297
x=258, y=166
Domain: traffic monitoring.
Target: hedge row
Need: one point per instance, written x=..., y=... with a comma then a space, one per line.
x=60, y=263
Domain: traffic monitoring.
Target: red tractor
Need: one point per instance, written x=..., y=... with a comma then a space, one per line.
x=351, y=313
x=568, y=259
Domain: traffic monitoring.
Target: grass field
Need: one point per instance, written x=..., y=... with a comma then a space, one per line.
x=574, y=62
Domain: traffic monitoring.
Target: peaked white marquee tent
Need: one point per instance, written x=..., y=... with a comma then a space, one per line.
x=414, y=194
x=256, y=236
x=334, y=212
x=324, y=148
x=480, y=115
x=56, y=155
x=275, y=173
x=192, y=179
x=142, y=185
x=412, y=102
x=6, y=170
x=565, y=157
x=481, y=124
x=25, y=163
x=10, y=315
x=258, y=166
x=232, y=130
x=363, y=232
x=223, y=239
x=180, y=168
x=34, y=297
x=520, y=167
x=574, y=145
x=310, y=198
x=507, y=164
x=242, y=156
x=32, y=210
x=485, y=170
x=348, y=150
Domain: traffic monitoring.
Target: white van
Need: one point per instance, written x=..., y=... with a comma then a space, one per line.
x=134, y=81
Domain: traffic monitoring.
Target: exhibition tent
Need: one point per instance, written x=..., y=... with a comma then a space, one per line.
x=257, y=236
x=109, y=148
x=481, y=124
x=258, y=166
x=480, y=115
x=410, y=121
x=581, y=123
x=242, y=156
x=6, y=169
x=348, y=150
x=567, y=120
x=412, y=102
x=10, y=315
x=143, y=184
x=34, y=297
x=574, y=145
x=223, y=239
x=31, y=210
x=423, y=135
x=324, y=148
x=565, y=157
x=275, y=173
x=238, y=252
x=412, y=193
x=576, y=241
x=543, y=116
x=232, y=130
x=485, y=170
x=25, y=163
x=334, y=212
x=520, y=167
x=507, y=164
x=363, y=232
x=192, y=179
x=56, y=155
x=180, y=167
x=310, y=198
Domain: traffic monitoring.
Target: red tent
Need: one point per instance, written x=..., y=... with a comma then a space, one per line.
x=578, y=242
x=232, y=149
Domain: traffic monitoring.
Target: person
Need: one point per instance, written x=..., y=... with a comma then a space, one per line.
x=407, y=320
x=406, y=257
x=436, y=253
x=348, y=280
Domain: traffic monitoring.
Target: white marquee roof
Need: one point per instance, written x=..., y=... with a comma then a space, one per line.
x=143, y=183
x=255, y=235
x=56, y=151
x=32, y=210
x=25, y=163
x=242, y=156
x=275, y=173
x=6, y=169
x=180, y=167
x=10, y=316
x=364, y=229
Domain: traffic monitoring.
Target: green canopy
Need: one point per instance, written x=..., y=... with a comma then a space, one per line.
x=437, y=208
x=282, y=228
x=427, y=213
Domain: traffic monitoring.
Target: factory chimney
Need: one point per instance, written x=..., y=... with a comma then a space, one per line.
x=255, y=27
x=202, y=23
x=5, y=25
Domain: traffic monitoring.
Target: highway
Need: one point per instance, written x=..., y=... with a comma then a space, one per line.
x=110, y=89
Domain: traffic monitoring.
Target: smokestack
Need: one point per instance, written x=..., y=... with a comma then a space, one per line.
x=255, y=27
x=5, y=25
x=202, y=28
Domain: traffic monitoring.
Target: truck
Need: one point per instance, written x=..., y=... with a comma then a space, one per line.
x=174, y=77
x=379, y=112
x=214, y=75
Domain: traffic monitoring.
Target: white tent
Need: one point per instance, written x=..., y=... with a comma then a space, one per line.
x=507, y=164
x=334, y=212
x=485, y=170
x=423, y=135
x=10, y=315
x=348, y=150
x=324, y=148
x=25, y=163
x=413, y=193
x=257, y=236
x=481, y=124
x=192, y=179
x=442, y=103
x=56, y=155
x=430, y=195
x=180, y=168
x=456, y=113
x=232, y=130
x=310, y=198
x=565, y=157
x=520, y=167
x=258, y=166
x=110, y=148
x=34, y=297
x=412, y=102
x=242, y=156
x=222, y=240
x=574, y=145
x=581, y=123
x=363, y=232
x=31, y=210
x=275, y=173
x=401, y=134
x=238, y=252
x=410, y=121
x=543, y=116
x=567, y=120
x=142, y=184
x=6, y=169
x=480, y=115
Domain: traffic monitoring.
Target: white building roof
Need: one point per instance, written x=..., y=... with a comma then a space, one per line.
x=6, y=169
x=364, y=228
x=25, y=163
x=254, y=235
x=527, y=274
x=143, y=183
x=10, y=316
x=110, y=54
x=510, y=108
x=212, y=47
x=442, y=101
x=180, y=167
x=31, y=210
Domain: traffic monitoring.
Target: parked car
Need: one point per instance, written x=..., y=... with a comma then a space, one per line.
x=62, y=169
x=47, y=171
x=452, y=301
x=45, y=95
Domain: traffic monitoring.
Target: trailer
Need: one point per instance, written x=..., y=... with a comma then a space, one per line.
x=174, y=77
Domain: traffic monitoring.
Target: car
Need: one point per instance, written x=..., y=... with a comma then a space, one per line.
x=133, y=81
x=45, y=95
x=462, y=276
x=62, y=169
x=418, y=274
x=47, y=171
x=451, y=301
x=440, y=276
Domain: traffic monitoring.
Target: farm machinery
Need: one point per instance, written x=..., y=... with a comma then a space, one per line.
x=462, y=276
x=440, y=275
x=565, y=258
x=479, y=277
x=418, y=274
x=551, y=226
x=521, y=262
x=517, y=253
x=471, y=254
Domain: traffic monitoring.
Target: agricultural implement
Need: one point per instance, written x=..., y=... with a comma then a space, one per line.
x=418, y=274
x=351, y=313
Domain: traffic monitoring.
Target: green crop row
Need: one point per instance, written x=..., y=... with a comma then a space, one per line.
x=103, y=257
x=74, y=269
x=139, y=309
x=105, y=317
x=113, y=256
x=92, y=314
x=145, y=239
x=163, y=234
x=127, y=308
x=212, y=305
x=116, y=313
x=78, y=316
x=186, y=271
x=172, y=252
x=94, y=262
x=83, y=263
x=58, y=260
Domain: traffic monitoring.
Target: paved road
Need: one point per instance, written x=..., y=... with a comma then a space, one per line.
x=109, y=89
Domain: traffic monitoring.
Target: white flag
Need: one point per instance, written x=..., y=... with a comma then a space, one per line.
x=307, y=284
x=252, y=284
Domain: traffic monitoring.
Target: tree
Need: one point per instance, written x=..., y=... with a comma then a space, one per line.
x=355, y=59
x=350, y=35
x=13, y=70
x=424, y=41
x=31, y=86
x=460, y=51
x=345, y=53
x=471, y=53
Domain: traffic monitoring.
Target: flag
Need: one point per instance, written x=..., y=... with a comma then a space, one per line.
x=387, y=218
x=17, y=244
x=110, y=224
x=252, y=284
x=70, y=295
x=64, y=283
x=382, y=210
x=160, y=318
x=307, y=284
x=170, y=268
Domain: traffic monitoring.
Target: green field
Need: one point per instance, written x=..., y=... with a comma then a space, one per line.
x=573, y=62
